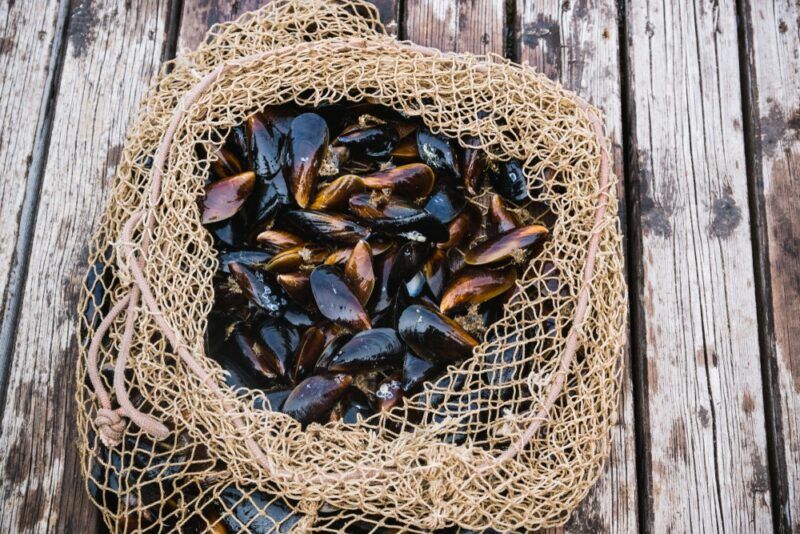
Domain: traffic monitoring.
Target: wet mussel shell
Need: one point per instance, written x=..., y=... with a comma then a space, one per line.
x=433, y=336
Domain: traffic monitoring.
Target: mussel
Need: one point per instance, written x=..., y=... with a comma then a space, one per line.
x=335, y=300
x=375, y=141
x=445, y=204
x=259, y=289
x=335, y=195
x=509, y=180
x=499, y=219
x=223, y=198
x=358, y=271
x=278, y=240
x=508, y=245
x=371, y=349
x=475, y=285
x=433, y=336
x=313, y=398
x=305, y=152
x=326, y=227
x=416, y=371
x=412, y=181
x=438, y=153
x=309, y=350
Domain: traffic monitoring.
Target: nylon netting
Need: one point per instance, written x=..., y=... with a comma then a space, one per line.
x=512, y=438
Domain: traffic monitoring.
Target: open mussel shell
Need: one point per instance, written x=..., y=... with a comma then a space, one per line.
x=309, y=349
x=358, y=271
x=373, y=349
x=291, y=260
x=375, y=141
x=500, y=219
x=504, y=246
x=305, y=151
x=416, y=371
x=411, y=181
x=445, y=204
x=439, y=154
x=259, y=289
x=433, y=336
x=334, y=195
x=476, y=285
x=389, y=393
x=223, y=198
x=463, y=228
x=324, y=226
x=313, y=399
x=335, y=300
x=278, y=240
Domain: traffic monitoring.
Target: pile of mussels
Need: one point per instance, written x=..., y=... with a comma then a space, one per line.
x=353, y=267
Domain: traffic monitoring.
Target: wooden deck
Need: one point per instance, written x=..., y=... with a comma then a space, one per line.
x=703, y=105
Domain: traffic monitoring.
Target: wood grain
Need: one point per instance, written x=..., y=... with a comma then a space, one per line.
x=475, y=26
x=577, y=43
x=773, y=59
x=113, y=50
x=30, y=46
x=699, y=338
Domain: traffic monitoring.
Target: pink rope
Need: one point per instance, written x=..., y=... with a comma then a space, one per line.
x=110, y=422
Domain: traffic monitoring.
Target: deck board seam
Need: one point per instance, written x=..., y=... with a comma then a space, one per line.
x=20, y=260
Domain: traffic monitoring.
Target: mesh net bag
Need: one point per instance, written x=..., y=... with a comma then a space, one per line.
x=512, y=438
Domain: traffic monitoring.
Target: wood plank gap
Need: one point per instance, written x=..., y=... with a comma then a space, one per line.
x=635, y=267
x=510, y=26
x=33, y=185
x=401, y=20
x=776, y=454
x=173, y=30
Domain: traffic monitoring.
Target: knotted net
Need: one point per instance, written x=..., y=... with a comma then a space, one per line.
x=512, y=438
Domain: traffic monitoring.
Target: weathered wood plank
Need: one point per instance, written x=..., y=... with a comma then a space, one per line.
x=30, y=47
x=577, y=43
x=199, y=15
x=773, y=60
x=476, y=26
x=113, y=50
x=699, y=339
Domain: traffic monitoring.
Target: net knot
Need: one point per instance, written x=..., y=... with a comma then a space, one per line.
x=110, y=426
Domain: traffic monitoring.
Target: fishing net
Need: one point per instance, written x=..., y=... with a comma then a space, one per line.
x=512, y=438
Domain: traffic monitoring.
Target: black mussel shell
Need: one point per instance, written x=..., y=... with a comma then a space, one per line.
x=473, y=164
x=463, y=228
x=416, y=371
x=297, y=316
x=266, y=201
x=281, y=340
x=294, y=259
x=230, y=233
x=375, y=141
x=313, y=399
x=416, y=285
x=508, y=179
x=249, y=258
x=359, y=272
x=409, y=260
x=278, y=240
x=445, y=204
x=266, y=144
x=275, y=398
x=335, y=300
x=368, y=350
x=335, y=195
x=433, y=336
x=355, y=405
x=439, y=154
x=305, y=151
x=260, y=289
x=411, y=181
x=297, y=286
x=312, y=342
x=331, y=348
x=325, y=226
x=381, y=297
x=508, y=245
x=476, y=285
x=223, y=198
x=244, y=358
x=436, y=271
x=419, y=225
